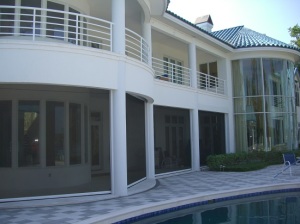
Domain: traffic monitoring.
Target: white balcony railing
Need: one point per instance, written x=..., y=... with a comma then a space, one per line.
x=39, y=24
x=47, y=24
x=171, y=72
x=210, y=83
x=136, y=46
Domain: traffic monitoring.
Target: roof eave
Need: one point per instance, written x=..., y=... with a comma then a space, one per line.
x=192, y=27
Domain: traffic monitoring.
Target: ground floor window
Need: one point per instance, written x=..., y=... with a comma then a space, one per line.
x=172, y=139
x=45, y=143
x=55, y=133
x=136, y=139
x=5, y=136
x=75, y=133
x=211, y=134
x=28, y=133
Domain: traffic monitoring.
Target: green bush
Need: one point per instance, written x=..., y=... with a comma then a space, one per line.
x=243, y=161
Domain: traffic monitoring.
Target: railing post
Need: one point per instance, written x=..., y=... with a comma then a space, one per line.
x=141, y=49
x=76, y=33
x=33, y=25
x=207, y=82
x=216, y=84
x=172, y=72
x=110, y=36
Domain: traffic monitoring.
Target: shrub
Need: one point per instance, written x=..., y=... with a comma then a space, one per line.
x=243, y=161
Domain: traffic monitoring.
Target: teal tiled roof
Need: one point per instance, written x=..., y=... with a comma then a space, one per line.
x=240, y=37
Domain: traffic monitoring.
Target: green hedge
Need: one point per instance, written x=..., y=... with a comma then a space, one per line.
x=244, y=161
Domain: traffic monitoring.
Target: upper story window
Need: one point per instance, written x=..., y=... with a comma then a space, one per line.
x=173, y=70
x=209, y=68
x=7, y=18
x=212, y=70
x=42, y=18
x=26, y=25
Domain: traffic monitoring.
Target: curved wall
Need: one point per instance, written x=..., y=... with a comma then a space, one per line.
x=66, y=64
x=264, y=104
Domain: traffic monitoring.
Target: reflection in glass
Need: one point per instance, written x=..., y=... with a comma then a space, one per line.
x=284, y=209
x=75, y=133
x=5, y=130
x=266, y=108
x=55, y=153
x=28, y=133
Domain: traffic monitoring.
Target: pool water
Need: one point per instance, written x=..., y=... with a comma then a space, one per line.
x=270, y=209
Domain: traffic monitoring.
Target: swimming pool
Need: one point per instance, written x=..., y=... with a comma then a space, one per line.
x=281, y=206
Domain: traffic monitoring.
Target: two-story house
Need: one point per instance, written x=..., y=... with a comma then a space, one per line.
x=99, y=95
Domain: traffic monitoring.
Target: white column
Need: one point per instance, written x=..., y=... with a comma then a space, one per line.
x=147, y=36
x=118, y=105
x=118, y=141
x=118, y=32
x=193, y=64
x=194, y=112
x=150, y=167
x=229, y=118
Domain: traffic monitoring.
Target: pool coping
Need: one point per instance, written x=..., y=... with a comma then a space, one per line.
x=138, y=213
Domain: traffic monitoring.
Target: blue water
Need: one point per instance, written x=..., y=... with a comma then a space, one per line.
x=275, y=209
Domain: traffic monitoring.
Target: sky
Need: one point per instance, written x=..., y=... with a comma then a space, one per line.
x=270, y=17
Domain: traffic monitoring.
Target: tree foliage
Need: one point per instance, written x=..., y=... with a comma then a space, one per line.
x=295, y=33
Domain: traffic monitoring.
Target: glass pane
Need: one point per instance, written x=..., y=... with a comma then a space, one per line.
x=74, y=26
x=75, y=133
x=7, y=18
x=274, y=76
x=95, y=145
x=86, y=142
x=136, y=140
x=248, y=104
x=203, y=68
x=27, y=17
x=249, y=131
x=213, y=69
x=5, y=130
x=172, y=139
x=55, y=21
x=55, y=153
x=247, y=77
x=28, y=133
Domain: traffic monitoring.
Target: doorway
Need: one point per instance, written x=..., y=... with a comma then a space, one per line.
x=211, y=135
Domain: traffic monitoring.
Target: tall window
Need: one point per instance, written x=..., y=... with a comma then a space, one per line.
x=55, y=153
x=7, y=18
x=74, y=26
x=28, y=133
x=212, y=70
x=27, y=17
x=75, y=133
x=172, y=139
x=173, y=70
x=55, y=21
x=5, y=130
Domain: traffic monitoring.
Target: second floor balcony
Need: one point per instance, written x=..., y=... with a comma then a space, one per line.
x=74, y=28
